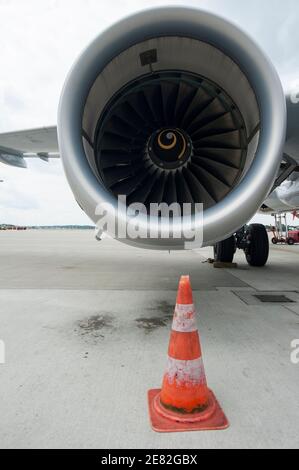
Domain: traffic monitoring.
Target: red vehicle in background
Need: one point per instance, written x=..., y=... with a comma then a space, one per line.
x=293, y=236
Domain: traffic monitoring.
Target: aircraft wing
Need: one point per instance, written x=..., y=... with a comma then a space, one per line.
x=39, y=143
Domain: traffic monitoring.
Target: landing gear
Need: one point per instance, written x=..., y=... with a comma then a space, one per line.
x=224, y=251
x=257, y=250
x=252, y=239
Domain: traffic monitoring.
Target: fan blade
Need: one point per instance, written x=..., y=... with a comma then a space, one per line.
x=216, y=188
x=169, y=92
x=140, y=195
x=169, y=96
x=116, y=174
x=198, y=191
x=230, y=157
x=223, y=173
x=226, y=140
x=183, y=192
x=113, y=142
x=126, y=187
x=170, y=194
x=112, y=159
x=153, y=97
x=186, y=95
x=119, y=127
x=211, y=112
x=129, y=115
x=140, y=105
x=156, y=194
x=200, y=101
x=222, y=124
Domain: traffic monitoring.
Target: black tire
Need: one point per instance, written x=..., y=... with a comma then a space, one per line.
x=274, y=241
x=291, y=241
x=257, y=253
x=224, y=251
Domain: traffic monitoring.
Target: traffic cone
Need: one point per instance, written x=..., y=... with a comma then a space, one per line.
x=185, y=402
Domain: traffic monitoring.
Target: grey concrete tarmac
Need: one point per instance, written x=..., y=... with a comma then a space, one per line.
x=86, y=328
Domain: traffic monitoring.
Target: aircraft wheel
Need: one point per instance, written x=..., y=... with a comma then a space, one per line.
x=224, y=251
x=257, y=252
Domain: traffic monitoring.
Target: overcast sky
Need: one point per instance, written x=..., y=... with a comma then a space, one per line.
x=39, y=40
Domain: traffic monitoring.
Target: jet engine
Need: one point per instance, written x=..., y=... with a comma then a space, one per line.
x=173, y=105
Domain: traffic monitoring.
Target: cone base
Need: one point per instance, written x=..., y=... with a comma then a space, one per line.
x=165, y=421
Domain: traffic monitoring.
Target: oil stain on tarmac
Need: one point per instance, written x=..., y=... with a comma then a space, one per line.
x=96, y=325
x=161, y=319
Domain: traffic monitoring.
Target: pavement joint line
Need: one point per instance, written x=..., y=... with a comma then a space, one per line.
x=290, y=310
x=250, y=297
x=71, y=289
x=231, y=272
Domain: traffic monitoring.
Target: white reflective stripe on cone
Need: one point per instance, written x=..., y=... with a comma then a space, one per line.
x=186, y=372
x=184, y=319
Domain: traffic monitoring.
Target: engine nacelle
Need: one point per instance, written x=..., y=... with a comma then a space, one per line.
x=173, y=105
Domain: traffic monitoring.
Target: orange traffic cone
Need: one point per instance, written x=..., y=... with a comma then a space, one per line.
x=185, y=403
